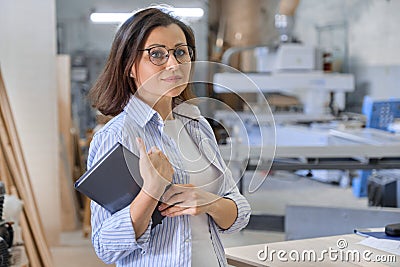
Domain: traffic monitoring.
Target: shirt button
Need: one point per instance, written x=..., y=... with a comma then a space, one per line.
x=187, y=240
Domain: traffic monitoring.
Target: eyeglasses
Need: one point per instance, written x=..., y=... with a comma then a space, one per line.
x=159, y=55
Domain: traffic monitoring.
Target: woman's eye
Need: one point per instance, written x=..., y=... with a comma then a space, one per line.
x=156, y=53
x=180, y=52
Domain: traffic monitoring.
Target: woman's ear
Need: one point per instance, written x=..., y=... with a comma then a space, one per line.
x=133, y=72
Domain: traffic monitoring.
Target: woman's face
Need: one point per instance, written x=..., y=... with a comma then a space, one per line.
x=169, y=79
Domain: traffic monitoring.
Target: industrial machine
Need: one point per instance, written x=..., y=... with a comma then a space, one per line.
x=290, y=68
x=286, y=66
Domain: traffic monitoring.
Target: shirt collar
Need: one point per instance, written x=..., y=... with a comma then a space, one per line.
x=140, y=111
x=187, y=110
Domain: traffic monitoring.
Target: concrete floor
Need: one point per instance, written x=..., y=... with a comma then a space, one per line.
x=271, y=198
x=75, y=251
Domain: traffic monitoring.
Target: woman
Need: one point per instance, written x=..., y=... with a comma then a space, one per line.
x=145, y=85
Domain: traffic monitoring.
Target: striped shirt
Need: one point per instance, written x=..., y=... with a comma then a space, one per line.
x=167, y=244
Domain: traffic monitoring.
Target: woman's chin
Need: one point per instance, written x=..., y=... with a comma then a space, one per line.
x=174, y=92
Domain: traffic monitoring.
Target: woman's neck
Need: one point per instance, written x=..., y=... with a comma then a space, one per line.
x=164, y=108
x=162, y=105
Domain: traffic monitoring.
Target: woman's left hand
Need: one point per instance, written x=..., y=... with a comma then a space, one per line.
x=182, y=199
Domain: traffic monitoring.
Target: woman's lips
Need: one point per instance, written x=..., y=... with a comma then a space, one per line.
x=172, y=79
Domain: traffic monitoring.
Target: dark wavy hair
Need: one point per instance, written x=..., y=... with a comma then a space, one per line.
x=114, y=87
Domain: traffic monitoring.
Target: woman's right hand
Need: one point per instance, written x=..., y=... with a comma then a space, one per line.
x=155, y=169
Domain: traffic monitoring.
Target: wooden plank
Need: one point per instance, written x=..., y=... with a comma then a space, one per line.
x=15, y=160
x=86, y=219
x=69, y=201
x=79, y=167
x=4, y=176
x=28, y=208
x=29, y=244
x=64, y=105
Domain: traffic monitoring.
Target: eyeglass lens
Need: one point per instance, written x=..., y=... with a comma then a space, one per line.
x=159, y=55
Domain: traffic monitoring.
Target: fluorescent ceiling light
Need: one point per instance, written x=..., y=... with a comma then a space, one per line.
x=188, y=12
x=185, y=13
x=109, y=17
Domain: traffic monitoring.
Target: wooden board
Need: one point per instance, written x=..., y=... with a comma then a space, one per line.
x=4, y=175
x=36, y=244
x=69, y=201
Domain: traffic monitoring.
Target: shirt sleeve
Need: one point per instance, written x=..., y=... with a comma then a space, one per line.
x=242, y=205
x=113, y=236
x=230, y=189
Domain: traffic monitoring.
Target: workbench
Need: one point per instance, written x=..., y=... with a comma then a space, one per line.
x=303, y=148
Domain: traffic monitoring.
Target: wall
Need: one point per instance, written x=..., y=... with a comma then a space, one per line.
x=373, y=38
x=27, y=59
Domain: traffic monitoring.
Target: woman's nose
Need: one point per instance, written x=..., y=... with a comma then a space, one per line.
x=172, y=63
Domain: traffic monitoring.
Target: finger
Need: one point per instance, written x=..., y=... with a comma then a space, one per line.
x=165, y=206
x=173, y=189
x=173, y=210
x=154, y=150
x=176, y=189
x=162, y=206
x=175, y=199
x=185, y=211
x=141, y=146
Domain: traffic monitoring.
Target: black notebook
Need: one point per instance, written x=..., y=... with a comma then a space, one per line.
x=114, y=181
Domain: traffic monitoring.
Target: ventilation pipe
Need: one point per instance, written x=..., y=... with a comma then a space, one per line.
x=284, y=20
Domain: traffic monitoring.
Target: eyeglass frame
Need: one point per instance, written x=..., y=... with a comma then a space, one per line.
x=190, y=49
